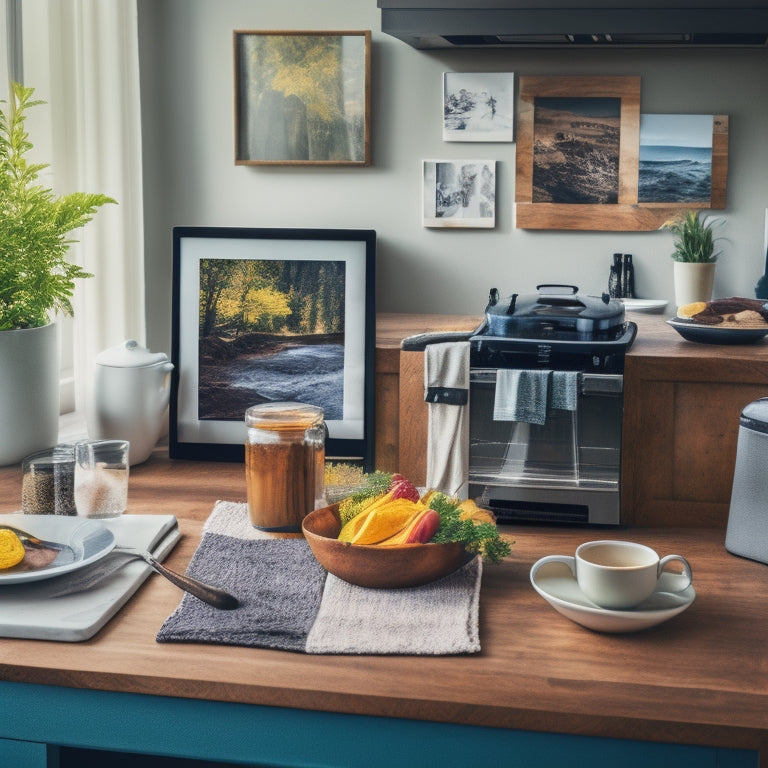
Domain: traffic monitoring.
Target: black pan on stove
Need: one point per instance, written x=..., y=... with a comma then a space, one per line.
x=554, y=309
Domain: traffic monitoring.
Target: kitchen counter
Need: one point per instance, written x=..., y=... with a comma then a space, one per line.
x=540, y=684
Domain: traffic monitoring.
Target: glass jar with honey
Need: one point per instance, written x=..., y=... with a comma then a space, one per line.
x=284, y=463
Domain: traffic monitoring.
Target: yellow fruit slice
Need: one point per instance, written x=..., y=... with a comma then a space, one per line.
x=386, y=521
x=689, y=310
x=470, y=511
x=351, y=527
x=401, y=537
x=11, y=549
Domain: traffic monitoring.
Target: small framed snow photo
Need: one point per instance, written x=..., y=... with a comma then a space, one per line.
x=459, y=193
x=478, y=106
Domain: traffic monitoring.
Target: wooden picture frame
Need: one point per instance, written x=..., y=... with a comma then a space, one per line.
x=302, y=98
x=619, y=141
x=290, y=317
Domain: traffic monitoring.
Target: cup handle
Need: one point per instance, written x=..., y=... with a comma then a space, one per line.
x=683, y=580
x=568, y=560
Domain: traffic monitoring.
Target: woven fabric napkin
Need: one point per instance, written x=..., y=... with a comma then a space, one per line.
x=289, y=602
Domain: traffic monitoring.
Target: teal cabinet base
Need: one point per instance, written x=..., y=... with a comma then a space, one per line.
x=36, y=715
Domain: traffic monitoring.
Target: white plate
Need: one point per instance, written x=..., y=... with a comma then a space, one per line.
x=644, y=305
x=87, y=541
x=555, y=582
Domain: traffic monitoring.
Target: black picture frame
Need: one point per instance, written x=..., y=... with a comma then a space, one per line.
x=196, y=429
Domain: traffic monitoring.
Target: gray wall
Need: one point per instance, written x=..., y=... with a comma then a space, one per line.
x=190, y=177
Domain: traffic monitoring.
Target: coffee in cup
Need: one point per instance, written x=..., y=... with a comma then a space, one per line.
x=622, y=574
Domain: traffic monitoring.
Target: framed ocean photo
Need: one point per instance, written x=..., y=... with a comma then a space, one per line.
x=675, y=159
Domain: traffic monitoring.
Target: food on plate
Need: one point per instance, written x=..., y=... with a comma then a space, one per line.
x=734, y=312
x=689, y=310
x=389, y=511
x=11, y=549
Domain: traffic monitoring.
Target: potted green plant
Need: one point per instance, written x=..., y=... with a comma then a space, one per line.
x=694, y=256
x=36, y=281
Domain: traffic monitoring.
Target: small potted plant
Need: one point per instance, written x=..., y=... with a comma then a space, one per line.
x=36, y=281
x=694, y=256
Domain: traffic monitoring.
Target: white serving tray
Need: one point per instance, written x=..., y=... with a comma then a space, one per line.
x=29, y=610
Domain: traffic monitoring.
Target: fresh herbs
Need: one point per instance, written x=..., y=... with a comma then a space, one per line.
x=377, y=484
x=483, y=538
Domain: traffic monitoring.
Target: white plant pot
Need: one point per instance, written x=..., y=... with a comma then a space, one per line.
x=29, y=392
x=693, y=282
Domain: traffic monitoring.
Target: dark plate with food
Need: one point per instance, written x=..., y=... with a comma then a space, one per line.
x=734, y=320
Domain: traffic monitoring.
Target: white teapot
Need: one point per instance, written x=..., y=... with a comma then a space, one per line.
x=131, y=393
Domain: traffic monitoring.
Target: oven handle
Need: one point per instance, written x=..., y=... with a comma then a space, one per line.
x=420, y=341
x=589, y=383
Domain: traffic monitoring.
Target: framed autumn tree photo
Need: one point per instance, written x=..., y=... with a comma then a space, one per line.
x=302, y=98
x=270, y=315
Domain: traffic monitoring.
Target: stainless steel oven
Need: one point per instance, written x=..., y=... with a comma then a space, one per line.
x=566, y=470
x=564, y=466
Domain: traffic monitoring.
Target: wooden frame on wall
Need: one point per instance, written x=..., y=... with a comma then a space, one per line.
x=616, y=136
x=302, y=98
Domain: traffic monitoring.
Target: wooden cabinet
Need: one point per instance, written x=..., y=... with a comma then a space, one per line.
x=681, y=420
x=682, y=403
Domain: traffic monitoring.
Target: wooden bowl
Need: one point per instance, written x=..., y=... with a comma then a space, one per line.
x=405, y=565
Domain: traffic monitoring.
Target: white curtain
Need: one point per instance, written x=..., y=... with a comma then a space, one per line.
x=81, y=57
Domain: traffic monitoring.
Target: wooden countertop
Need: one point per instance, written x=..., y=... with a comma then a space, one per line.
x=700, y=678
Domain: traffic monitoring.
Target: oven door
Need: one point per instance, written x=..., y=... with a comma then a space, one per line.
x=566, y=470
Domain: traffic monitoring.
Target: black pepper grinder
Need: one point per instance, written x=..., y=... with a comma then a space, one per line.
x=615, y=277
x=628, y=278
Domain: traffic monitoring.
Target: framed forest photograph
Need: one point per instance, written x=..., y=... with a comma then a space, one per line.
x=302, y=98
x=271, y=315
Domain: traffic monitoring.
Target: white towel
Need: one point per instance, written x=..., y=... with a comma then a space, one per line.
x=521, y=395
x=447, y=365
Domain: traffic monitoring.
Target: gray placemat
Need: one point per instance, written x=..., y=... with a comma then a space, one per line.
x=289, y=602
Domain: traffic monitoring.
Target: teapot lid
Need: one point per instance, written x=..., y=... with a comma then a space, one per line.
x=130, y=355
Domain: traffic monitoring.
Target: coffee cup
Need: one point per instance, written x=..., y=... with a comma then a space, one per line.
x=622, y=574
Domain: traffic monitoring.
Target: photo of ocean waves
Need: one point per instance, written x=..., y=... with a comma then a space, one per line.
x=674, y=174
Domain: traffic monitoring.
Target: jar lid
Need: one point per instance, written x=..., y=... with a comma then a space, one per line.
x=130, y=354
x=279, y=416
x=64, y=453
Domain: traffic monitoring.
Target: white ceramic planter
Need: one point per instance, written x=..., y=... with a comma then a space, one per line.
x=29, y=392
x=693, y=282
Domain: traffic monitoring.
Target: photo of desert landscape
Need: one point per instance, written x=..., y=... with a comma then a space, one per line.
x=576, y=150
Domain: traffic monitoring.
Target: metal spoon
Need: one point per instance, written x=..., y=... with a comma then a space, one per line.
x=214, y=596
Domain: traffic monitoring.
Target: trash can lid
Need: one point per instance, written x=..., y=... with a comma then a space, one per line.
x=755, y=415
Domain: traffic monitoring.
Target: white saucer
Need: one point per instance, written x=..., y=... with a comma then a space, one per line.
x=644, y=305
x=555, y=582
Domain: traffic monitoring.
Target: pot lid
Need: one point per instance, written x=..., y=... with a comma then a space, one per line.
x=130, y=354
x=559, y=307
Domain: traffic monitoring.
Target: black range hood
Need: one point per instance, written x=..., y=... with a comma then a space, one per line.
x=430, y=24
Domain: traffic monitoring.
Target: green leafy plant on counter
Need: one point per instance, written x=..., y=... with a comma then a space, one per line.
x=694, y=239
x=36, y=278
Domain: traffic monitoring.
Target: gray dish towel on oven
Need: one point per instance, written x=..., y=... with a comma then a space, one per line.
x=289, y=602
x=565, y=390
x=446, y=365
x=521, y=395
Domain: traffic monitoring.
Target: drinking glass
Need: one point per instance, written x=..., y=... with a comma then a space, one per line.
x=101, y=477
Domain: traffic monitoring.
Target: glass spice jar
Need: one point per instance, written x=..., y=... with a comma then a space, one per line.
x=284, y=463
x=48, y=482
